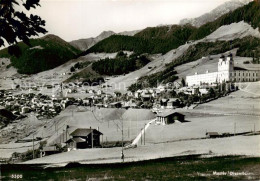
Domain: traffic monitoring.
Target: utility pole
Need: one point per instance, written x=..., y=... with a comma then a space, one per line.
x=235, y=129
x=63, y=135
x=123, y=156
x=33, y=137
x=102, y=141
x=91, y=132
x=141, y=136
x=144, y=133
x=33, y=145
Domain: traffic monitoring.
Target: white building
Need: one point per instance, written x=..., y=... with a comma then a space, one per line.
x=225, y=73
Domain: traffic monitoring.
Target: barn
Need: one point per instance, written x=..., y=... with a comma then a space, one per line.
x=169, y=117
x=84, y=138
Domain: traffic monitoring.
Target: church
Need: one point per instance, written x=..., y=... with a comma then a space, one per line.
x=225, y=73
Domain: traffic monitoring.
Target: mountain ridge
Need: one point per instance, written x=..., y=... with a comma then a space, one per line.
x=215, y=13
x=50, y=51
x=164, y=38
x=86, y=43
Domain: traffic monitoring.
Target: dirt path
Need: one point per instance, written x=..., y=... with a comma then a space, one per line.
x=139, y=136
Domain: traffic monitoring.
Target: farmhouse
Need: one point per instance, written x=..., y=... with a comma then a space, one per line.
x=84, y=138
x=226, y=73
x=169, y=117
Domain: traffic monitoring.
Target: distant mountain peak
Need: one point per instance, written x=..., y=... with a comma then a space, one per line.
x=51, y=37
x=215, y=13
x=104, y=34
x=84, y=44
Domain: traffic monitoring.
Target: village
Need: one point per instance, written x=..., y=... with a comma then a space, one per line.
x=72, y=116
x=162, y=97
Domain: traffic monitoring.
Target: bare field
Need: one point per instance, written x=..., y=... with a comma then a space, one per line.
x=198, y=126
x=108, y=121
x=238, y=145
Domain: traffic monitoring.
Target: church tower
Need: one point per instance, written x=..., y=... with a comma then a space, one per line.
x=226, y=63
x=225, y=68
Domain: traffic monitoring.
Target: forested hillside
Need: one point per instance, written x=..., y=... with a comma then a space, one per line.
x=247, y=47
x=165, y=38
x=43, y=54
x=120, y=65
x=150, y=40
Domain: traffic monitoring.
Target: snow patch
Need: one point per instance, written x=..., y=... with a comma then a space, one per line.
x=233, y=31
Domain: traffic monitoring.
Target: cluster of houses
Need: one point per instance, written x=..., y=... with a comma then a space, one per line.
x=42, y=105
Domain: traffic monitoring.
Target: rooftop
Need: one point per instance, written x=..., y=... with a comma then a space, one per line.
x=168, y=113
x=84, y=132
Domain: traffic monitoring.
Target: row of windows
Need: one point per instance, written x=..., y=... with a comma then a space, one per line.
x=244, y=74
x=245, y=79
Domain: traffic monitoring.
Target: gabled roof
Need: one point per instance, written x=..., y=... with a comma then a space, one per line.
x=165, y=114
x=146, y=96
x=165, y=100
x=77, y=140
x=84, y=132
x=212, y=133
x=173, y=99
x=49, y=148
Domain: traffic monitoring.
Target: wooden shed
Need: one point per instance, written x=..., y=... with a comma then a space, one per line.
x=170, y=117
x=84, y=138
x=212, y=134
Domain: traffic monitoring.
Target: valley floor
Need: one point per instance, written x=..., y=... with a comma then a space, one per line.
x=235, y=113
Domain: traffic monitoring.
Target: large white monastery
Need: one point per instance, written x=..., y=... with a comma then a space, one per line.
x=225, y=73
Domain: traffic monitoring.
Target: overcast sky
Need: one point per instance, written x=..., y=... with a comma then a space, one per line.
x=75, y=19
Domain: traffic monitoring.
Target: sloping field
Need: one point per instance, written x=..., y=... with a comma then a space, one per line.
x=108, y=121
x=239, y=145
x=157, y=64
x=233, y=31
x=245, y=101
x=199, y=125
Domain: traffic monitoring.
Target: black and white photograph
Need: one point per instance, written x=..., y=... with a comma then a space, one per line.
x=129, y=90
